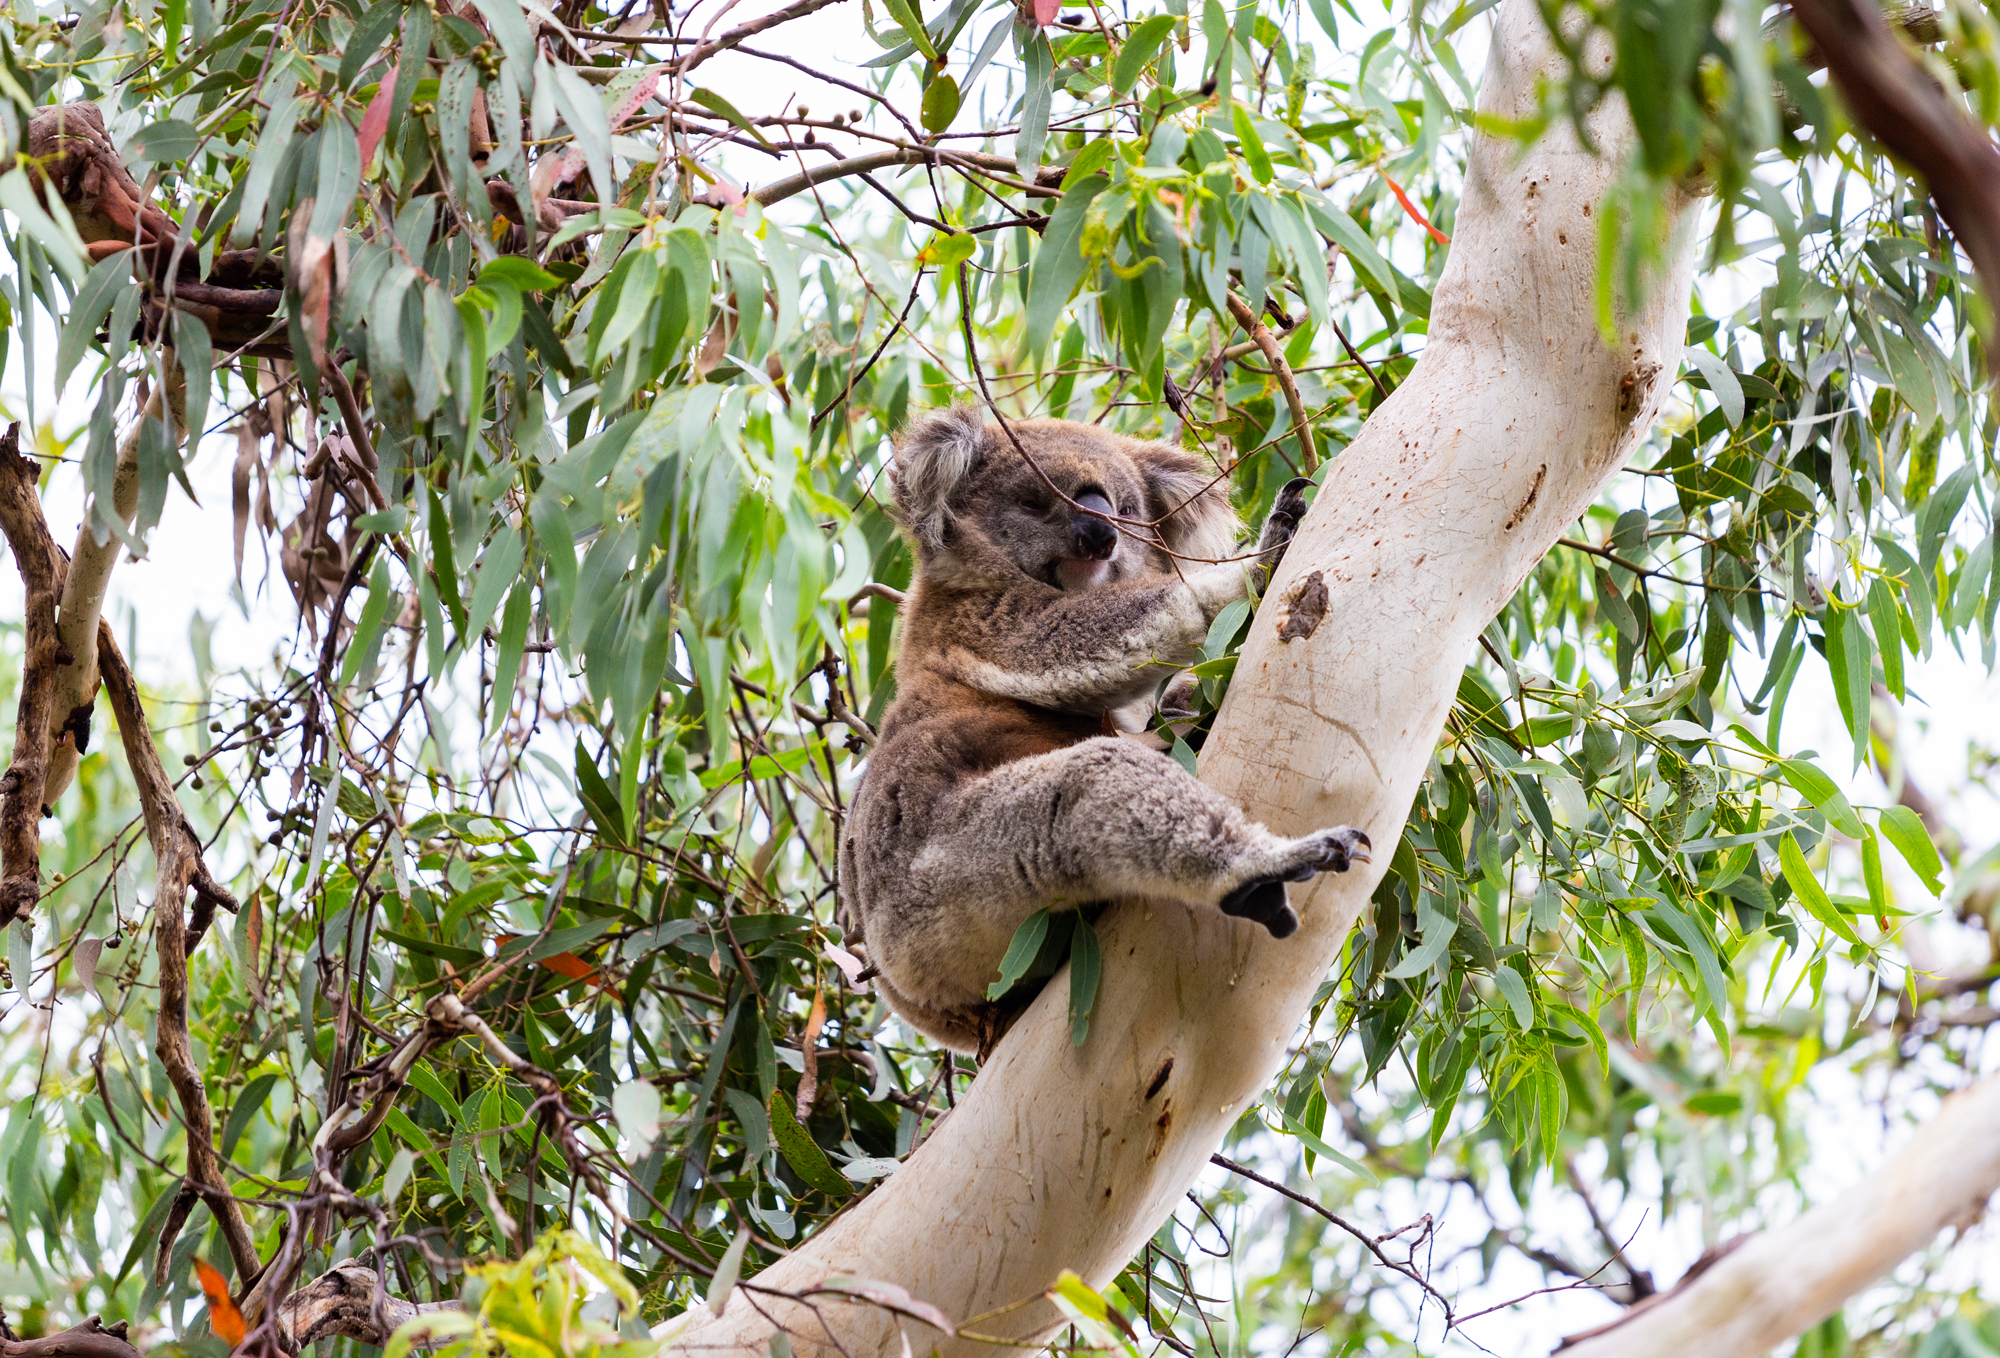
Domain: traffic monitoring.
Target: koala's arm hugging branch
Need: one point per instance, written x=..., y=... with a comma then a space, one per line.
x=1069, y=1157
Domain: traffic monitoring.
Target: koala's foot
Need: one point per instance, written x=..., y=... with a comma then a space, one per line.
x=1263, y=898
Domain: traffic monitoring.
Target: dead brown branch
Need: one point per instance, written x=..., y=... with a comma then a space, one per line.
x=1253, y=325
x=26, y=778
x=92, y=1339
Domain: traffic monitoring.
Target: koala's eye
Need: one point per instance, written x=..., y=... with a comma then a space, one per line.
x=1034, y=505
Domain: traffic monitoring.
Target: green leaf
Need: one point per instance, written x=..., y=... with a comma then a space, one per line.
x=166, y=142
x=946, y=250
x=1252, y=142
x=1086, y=969
x=1827, y=799
x=1345, y=232
x=1809, y=891
x=382, y=594
x=513, y=642
x=577, y=100
x=1714, y=988
x=1319, y=1147
x=1515, y=991
x=1020, y=955
x=1850, y=657
x=940, y=104
x=247, y=1105
x=1886, y=615
x=1059, y=263
x=370, y=32
x=1038, y=73
x=522, y=273
x=1614, y=606
x=1905, y=830
x=1092, y=158
x=801, y=1152
x=598, y=797
x=911, y=20
x=730, y=1266
x=1140, y=46
x=499, y=568
x=715, y=103
x=430, y=947
x=101, y=287
x=1871, y=873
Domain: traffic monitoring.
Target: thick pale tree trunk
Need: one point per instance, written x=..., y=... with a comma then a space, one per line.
x=1517, y=415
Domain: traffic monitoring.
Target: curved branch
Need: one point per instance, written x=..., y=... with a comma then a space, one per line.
x=1898, y=104
x=83, y=591
x=680, y=66
x=23, y=791
x=1260, y=335
x=992, y=167
x=1784, y=1281
x=177, y=850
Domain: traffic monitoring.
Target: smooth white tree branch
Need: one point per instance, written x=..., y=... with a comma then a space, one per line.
x=1787, y=1280
x=82, y=604
x=1066, y=1157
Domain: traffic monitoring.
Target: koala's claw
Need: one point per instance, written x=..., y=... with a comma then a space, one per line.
x=1344, y=846
x=1263, y=901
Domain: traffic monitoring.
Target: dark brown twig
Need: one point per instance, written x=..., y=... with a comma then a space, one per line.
x=1899, y=104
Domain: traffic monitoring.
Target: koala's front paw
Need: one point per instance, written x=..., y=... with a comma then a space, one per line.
x=1263, y=901
x=1340, y=847
x=1289, y=508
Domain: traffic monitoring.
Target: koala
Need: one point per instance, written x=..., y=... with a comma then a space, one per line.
x=1034, y=630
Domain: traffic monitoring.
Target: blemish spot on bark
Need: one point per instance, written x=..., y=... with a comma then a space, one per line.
x=1305, y=608
x=1160, y=1077
x=1562, y=238
x=1534, y=493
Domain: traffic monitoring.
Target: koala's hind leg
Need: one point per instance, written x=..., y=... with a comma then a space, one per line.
x=1106, y=818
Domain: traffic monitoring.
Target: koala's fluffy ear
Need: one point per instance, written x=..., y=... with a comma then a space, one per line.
x=934, y=453
x=1191, y=501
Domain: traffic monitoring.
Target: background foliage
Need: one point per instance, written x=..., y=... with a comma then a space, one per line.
x=582, y=670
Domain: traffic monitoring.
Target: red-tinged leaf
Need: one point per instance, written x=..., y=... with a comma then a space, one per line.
x=1411, y=208
x=375, y=118
x=1045, y=11
x=223, y=1317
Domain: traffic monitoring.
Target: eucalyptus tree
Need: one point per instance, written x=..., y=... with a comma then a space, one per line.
x=557, y=374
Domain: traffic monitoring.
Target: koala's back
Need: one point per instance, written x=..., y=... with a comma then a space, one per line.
x=939, y=735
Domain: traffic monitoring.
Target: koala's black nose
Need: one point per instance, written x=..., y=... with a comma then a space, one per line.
x=1093, y=538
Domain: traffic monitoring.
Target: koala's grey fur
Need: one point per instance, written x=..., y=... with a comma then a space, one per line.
x=1029, y=633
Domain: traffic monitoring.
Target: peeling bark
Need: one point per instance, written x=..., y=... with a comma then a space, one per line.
x=348, y=1301
x=92, y=1339
x=23, y=790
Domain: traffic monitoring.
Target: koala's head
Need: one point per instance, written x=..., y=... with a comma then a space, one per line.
x=979, y=512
